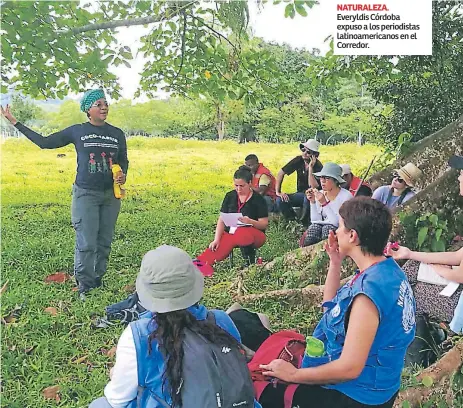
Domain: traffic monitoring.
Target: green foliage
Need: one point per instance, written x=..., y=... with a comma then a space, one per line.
x=25, y=110
x=69, y=114
x=193, y=48
x=432, y=233
x=392, y=151
x=424, y=91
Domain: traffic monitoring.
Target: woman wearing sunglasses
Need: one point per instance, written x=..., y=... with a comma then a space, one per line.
x=94, y=209
x=325, y=204
x=400, y=190
x=448, y=265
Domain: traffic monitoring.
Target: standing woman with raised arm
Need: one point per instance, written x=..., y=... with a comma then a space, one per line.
x=94, y=209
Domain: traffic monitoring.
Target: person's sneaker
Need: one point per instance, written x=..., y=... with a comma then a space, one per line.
x=82, y=296
x=98, y=281
x=204, y=268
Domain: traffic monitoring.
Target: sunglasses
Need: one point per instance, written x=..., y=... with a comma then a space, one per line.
x=303, y=150
x=326, y=178
x=396, y=176
x=99, y=105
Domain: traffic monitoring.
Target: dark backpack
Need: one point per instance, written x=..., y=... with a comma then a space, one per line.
x=287, y=345
x=214, y=375
x=426, y=346
x=126, y=311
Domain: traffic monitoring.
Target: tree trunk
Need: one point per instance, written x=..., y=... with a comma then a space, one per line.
x=220, y=124
x=430, y=154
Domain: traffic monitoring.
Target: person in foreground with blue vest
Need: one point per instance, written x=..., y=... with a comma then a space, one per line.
x=367, y=324
x=178, y=354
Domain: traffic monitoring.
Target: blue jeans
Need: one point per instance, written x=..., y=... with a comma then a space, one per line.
x=271, y=204
x=456, y=325
x=295, y=200
x=93, y=214
x=101, y=402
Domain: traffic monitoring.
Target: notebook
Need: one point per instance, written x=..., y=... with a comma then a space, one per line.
x=427, y=274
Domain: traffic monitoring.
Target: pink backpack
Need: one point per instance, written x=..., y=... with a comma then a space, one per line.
x=287, y=345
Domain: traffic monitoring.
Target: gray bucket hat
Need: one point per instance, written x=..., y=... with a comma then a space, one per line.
x=168, y=280
x=331, y=170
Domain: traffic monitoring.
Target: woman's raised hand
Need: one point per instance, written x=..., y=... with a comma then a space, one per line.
x=332, y=248
x=8, y=115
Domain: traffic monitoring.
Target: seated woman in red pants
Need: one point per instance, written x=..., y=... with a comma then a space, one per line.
x=254, y=209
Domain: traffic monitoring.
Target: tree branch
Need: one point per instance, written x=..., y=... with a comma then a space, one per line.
x=215, y=32
x=183, y=46
x=169, y=13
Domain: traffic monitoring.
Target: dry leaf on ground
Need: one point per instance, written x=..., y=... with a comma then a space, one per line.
x=58, y=277
x=28, y=350
x=3, y=289
x=52, y=393
x=129, y=288
x=79, y=360
x=51, y=310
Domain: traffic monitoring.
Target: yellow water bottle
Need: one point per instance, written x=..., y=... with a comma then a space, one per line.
x=119, y=190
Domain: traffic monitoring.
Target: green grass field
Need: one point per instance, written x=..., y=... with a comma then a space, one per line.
x=174, y=193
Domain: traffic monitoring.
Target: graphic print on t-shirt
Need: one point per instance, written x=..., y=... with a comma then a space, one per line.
x=92, y=163
x=102, y=166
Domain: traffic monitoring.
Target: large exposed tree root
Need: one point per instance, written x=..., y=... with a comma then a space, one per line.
x=441, y=374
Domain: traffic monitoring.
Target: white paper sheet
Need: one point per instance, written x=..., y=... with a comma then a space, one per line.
x=450, y=289
x=231, y=219
x=426, y=273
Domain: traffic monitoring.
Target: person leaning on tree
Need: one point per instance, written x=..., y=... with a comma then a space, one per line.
x=400, y=190
x=94, y=209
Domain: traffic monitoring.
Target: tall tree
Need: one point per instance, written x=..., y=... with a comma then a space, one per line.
x=424, y=91
x=192, y=47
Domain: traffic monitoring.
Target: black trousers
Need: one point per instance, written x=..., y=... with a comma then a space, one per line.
x=313, y=396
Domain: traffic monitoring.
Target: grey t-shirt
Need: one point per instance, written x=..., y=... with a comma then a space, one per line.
x=382, y=194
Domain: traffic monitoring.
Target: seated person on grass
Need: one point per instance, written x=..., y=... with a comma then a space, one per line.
x=429, y=302
x=151, y=352
x=400, y=190
x=248, y=237
x=367, y=324
x=305, y=166
x=325, y=204
x=356, y=186
x=263, y=181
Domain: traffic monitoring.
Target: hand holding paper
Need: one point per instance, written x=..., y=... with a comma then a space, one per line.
x=233, y=219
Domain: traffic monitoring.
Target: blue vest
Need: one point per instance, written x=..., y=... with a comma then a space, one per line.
x=387, y=287
x=151, y=365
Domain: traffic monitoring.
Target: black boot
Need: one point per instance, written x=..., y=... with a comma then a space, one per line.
x=249, y=254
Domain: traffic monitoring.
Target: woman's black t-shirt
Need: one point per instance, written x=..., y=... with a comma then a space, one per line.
x=254, y=208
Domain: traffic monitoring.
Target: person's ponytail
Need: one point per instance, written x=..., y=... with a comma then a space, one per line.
x=170, y=333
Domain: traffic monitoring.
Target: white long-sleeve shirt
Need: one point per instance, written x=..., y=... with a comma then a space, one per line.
x=123, y=387
x=329, y=214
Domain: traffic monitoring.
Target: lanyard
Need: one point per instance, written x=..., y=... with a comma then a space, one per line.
x=241, y=205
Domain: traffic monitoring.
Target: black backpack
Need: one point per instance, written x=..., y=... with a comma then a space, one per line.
x=214, y=376
x=426, y=346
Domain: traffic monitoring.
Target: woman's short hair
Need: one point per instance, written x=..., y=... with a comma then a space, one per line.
x=243, y=173
x=372, y=221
